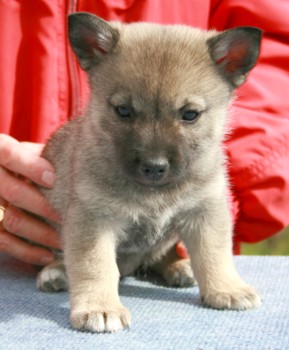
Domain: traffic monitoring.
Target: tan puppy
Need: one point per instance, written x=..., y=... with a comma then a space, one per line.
x=144, y=166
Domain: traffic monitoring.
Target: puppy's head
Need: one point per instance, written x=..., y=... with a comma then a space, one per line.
x=159, y=94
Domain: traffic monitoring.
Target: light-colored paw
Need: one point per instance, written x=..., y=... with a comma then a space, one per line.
x=179, y=274
x=112, y=319
x=52, y=278
x=239, y=298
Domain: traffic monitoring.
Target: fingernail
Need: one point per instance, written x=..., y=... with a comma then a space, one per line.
x=46, y=260
x=48, y=178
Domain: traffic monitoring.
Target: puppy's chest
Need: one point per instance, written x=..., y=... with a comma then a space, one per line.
x=144, y=233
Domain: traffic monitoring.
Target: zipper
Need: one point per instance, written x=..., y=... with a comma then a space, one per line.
x=75, y=83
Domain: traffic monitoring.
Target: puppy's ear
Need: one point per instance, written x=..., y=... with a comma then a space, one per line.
x=91, y=38
x=235, y=52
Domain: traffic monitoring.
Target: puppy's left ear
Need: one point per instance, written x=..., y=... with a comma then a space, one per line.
x=235, y=52
x=91, y=38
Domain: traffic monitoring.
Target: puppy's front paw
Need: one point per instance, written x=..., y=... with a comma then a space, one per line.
x=110, y=318
x=239, y=298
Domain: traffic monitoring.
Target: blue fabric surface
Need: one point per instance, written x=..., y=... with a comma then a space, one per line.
x=162, y=318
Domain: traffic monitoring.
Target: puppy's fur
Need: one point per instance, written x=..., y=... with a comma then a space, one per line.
x=144, y=166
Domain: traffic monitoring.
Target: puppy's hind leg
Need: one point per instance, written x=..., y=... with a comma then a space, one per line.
x=176, y=271
x=52, y=278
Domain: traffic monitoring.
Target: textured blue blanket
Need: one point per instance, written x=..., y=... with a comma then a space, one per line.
x=162, y=318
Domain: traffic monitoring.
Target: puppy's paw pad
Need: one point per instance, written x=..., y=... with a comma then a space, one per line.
x=246, y=297
x=101, y=321
x=179, y=274
x=52, y=279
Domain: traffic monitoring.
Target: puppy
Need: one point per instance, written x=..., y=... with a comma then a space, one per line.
x=144, y=167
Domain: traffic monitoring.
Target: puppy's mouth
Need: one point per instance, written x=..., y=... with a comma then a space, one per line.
x=144, y=184
x=152, y=185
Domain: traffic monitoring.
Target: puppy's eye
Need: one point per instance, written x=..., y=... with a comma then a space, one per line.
x=190, y=115
x=123, y=111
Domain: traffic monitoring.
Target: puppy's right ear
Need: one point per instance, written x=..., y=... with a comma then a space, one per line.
x=91, y=38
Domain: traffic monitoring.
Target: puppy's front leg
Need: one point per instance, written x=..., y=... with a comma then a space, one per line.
x=208, y=240
x=93, y=279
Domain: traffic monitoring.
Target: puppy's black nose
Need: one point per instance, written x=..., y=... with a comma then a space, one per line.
x=154, y=170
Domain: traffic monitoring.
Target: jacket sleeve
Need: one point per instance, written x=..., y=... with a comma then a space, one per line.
x=258, y=147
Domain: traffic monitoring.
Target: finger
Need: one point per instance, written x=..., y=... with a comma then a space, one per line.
x=24, y=251
x=19, y=158
x=24, y=225
x=36, y=148
x=26, y=196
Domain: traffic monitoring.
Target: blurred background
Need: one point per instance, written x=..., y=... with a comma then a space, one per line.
x=276, y=245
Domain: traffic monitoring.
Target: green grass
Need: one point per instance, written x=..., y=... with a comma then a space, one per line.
x=276, y=245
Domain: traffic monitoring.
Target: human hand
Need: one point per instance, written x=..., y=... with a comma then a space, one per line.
x=20, y=165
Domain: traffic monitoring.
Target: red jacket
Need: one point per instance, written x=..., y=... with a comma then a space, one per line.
x=41, y=87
